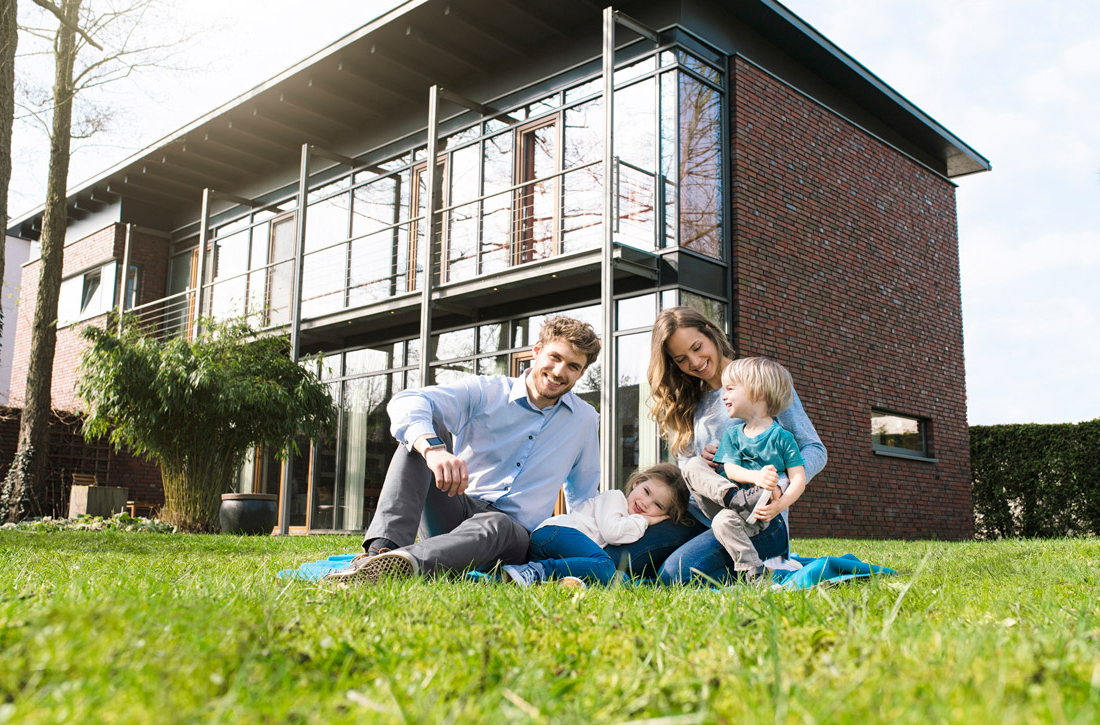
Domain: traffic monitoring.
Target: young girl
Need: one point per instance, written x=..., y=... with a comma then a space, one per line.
x=569, y=548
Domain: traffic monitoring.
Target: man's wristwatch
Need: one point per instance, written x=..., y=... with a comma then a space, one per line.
x=432, y=444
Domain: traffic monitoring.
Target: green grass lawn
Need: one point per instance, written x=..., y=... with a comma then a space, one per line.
x=135, y=627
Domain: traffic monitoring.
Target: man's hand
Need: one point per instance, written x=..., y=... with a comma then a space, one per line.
x=651, y=520
x=767, y=478
x=708, y=455
x=450, y=472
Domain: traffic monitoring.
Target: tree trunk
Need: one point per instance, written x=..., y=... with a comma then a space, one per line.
x=9, y=37
x=26, y=478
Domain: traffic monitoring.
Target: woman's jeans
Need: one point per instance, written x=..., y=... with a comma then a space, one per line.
x=563, y=552
x=675, y=553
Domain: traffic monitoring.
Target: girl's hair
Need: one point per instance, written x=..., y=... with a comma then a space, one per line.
x=668, y=474
x=763, y=379
x=674, y=395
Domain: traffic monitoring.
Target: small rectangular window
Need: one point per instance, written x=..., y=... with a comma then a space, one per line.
x=89, y=296
x=902, y=435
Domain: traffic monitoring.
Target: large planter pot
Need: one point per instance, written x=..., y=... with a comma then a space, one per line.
x=248, y=513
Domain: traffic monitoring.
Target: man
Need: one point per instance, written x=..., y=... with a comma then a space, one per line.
x=516, y=442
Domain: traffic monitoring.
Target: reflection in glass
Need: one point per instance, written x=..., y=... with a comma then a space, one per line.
x=496, y=365
x=324, y=276
x=497, y=208
x=459, y=343
x=374, y=263
x=636, y=312
x=368, y=360
x=637, y=433
x=712, y=309
x=700, y=167
x=327, y=221
x=323, y=495
x=635, y=146
x=228, y=294
x=669, y=147
x=462, y=220
x=582, y=209
x=452, y=371
x=280, y=275
x=367, y=447
x=896, y=432
x=491, y=338
x=536, y=201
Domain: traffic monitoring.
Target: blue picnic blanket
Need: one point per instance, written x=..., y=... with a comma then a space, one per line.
x=826, y=570
x=822, y=570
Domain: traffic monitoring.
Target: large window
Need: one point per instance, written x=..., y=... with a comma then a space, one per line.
x=899, y=435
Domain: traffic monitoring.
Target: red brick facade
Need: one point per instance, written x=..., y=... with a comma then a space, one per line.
x=846, y=269
x=70, y=453
x=147, y=250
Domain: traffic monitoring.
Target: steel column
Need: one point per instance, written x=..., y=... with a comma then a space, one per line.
x=608, y=397
x=125, y=273
x=204, y=237
x=295, y=322
x=429, y=222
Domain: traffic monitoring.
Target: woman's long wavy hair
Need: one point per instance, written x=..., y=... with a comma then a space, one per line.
x=674, y=395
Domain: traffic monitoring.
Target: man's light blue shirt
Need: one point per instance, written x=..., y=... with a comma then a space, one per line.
x=517, y=455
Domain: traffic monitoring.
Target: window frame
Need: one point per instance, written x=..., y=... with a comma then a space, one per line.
x=923, y=428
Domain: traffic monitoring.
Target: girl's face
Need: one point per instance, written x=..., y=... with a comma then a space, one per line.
x=649, y=497
x=696, y=355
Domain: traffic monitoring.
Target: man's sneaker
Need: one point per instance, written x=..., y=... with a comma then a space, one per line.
x=390, y=565
x=524, y=574
x=572, y=582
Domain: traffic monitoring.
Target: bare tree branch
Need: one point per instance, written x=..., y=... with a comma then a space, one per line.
x=75, y=27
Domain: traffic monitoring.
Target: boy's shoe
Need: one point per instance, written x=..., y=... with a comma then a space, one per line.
x=572, y=582
x=523, y=574
x=390, y=565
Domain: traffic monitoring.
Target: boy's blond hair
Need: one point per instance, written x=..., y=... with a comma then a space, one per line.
x=763, y=379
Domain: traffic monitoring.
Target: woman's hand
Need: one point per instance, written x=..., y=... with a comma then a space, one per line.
x=709, y=451
x=770, y=510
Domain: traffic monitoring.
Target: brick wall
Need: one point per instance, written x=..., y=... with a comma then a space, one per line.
x=148, y=250
x=70, y=453
x=846, y=270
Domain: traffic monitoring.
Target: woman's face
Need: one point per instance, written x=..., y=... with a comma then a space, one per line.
x=696, y=355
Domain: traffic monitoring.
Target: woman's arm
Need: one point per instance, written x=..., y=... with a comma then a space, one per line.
x=795, y=420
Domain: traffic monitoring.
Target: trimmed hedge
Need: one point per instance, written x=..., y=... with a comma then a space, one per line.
x=1036, y=480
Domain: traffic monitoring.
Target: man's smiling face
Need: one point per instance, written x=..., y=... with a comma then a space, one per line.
x=555, y=370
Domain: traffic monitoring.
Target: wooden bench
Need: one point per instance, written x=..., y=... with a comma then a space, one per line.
x=148, y=510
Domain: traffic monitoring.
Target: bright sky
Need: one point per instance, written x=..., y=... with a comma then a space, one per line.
x=1015, y=79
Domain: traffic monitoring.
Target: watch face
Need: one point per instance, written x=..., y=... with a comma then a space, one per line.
x=435, y=441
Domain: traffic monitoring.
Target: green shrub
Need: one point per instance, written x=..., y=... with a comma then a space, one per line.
x=1036, y=480
x=196, y=407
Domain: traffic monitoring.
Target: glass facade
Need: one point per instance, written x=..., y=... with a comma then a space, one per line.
x=525, y=186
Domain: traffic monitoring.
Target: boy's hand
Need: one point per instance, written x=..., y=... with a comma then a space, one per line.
x=767, y=478
x=651, y=520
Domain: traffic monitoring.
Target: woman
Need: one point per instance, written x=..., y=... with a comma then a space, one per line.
x=687, y=356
